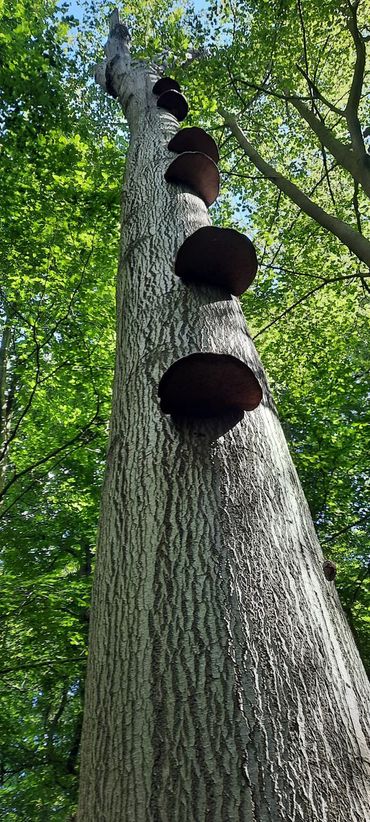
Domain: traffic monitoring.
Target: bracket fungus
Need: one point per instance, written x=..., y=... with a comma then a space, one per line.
x=198, y=172
x=194, y=139
x=174, y=102
x=165, y=84
x=208, y=385
x=218, y=256
x=330, y=570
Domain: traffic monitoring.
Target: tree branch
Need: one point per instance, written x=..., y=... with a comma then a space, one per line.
x=293, y=271
x=49, y=456
x=347, y=528
x=354, y=241
x=29, y=402
x=31, y=485
x=76, y=740
x=319, y=95
x=327, y=175
x=301, y=300
x=4, y=353
x=27, y=666
x=343, y=154
x=305, y=52
x=354, y=97
x=52, y=730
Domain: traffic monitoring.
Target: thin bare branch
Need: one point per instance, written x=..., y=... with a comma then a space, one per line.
x=36, y=480
x=356, y=524
x=50, y=663
x=305, y=52
x=317, y=93
x=303, y=298
x=16, y=476
x=357, y=207
x=327, y=175
x=343, y=154
x=293, y=271
x=29, y=402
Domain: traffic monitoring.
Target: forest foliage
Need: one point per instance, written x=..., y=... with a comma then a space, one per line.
x=63, y=143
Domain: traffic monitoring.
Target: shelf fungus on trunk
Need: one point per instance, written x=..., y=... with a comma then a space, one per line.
x=330, y=570
x=194, y=139
x=174, y=102
x=165, y=84
x=196, y=171
x=208, y=385
x=217, y=256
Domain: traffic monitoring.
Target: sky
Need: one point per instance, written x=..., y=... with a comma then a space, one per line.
x=75, y=7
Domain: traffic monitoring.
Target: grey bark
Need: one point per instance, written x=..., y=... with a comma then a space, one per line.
x=223, y=682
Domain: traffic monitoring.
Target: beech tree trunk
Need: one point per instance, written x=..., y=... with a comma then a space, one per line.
x=223, y=681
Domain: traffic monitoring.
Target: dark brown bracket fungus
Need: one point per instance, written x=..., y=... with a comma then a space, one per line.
x=165, y=84
x=198, y=172
x=330, y=570
x=174, y=102
x=194, y=139
x=208, y=385
x=219, y=256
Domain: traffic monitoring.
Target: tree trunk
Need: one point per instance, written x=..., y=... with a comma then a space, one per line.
x=223, y=681
x=6, y=396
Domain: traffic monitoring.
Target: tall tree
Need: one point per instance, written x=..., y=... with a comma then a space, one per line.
x=309, y=305
x=223, y=681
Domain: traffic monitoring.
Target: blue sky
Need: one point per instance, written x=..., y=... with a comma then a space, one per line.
x=75, y=7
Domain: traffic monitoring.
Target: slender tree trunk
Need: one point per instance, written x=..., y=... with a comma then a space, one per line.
x=223, y=681
x=6, y=396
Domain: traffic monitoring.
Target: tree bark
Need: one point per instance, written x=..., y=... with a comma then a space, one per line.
x=223, y=681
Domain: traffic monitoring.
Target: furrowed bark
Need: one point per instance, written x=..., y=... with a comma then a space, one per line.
x=354, y=241
x=223, y=682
